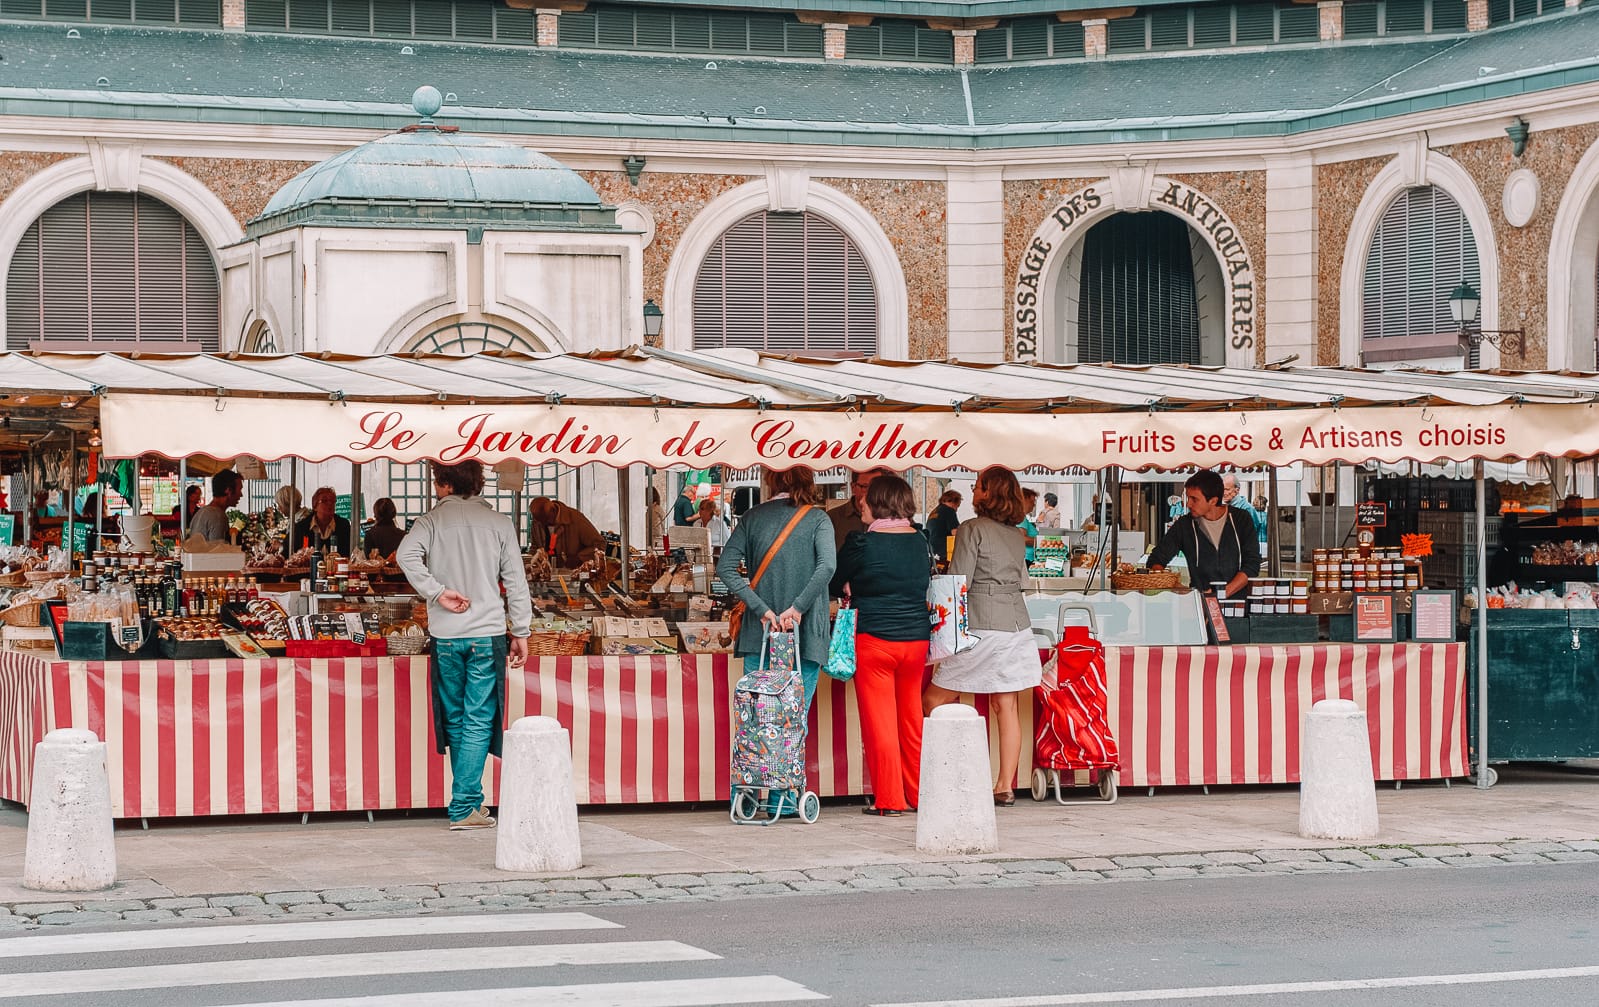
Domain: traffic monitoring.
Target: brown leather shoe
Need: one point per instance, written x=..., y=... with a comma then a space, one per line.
x=1004, y=799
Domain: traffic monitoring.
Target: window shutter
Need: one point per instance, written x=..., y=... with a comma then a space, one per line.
x=474, y=20
x=1498, y=11
x=1127, y=34
x=1405, y=17
x=993, y=45
x=1068, y=40
x=1029, y=39
x=803, y=39
x=764, y=34
x=691, y=31
x=1423, y=247
x=729, y=33
x=1137, y=301
x=66, y=268
x=22, y=8
x=308, y=15
x=1256, y=23
x=899, y=40
x=1360, y=20
x=1301, y=23
x=787, y=283
x=110, y=10
x=24, y=303
x=614, y=27
x=1168, y=28
x=935, y=46
x=271, y=15
x=578, y=29
x=1213, y=26
x=352, y=16
x=433, y=18
x=1449, y=15
x=201, y=12
x=863, y=42
x=114, y=281
x=75, y=10
x=513, y=25
x=392, y=18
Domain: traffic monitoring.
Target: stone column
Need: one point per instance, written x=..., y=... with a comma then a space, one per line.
x=1332, y=19
x=549, y=26
x=1094, y=37
x=965, y=46
x=1291, y=283
x=833, y=40
x=1476, y=15
x=975, y=241
x=233, y=15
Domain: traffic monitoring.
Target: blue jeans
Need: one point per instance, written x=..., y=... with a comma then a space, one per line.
x=469, y=672
x=810, y=673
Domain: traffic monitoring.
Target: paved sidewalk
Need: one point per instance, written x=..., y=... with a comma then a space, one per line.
x=341, y=863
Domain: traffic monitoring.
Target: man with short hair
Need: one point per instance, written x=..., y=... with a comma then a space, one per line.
x=942, y=522
x=458, y=556
x=686, y=510
x=846, y=517
x=1049, y=517
x=1217, y=541
x=1233, y=498
x=211, y=521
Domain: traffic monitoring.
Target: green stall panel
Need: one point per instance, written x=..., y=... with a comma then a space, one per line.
x=1543, y=684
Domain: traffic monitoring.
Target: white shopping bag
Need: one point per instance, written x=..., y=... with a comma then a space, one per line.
x=946, y=607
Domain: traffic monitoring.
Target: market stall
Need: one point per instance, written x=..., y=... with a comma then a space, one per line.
x=1187, y=712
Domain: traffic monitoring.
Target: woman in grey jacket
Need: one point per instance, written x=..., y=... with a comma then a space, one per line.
x=793, y=590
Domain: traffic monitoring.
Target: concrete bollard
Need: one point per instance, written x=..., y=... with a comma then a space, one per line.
x=956, y=814
x=538, y=810
x=70, y=845
x=1337, y=795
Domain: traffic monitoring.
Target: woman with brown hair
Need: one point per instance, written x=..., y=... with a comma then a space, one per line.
x=792, y=593
x=1003, y=663
x=886, y=569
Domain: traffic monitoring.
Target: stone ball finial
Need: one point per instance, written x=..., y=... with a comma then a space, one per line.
x=427, y=101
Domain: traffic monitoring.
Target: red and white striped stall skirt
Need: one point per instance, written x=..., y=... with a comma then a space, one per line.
x=230, y=737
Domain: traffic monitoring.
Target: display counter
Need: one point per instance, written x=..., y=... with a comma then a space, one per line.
x=1543, y=684
x=307, y=735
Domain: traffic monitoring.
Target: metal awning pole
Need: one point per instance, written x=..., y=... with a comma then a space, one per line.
x=1484, y=774
x=72, y=491
x=183, y=500
x=1274, y=560
x=1338, y=504
x=355, y=510
x=624, y=512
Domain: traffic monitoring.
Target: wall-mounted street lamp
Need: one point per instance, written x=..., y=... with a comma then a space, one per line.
x=1463, y=304
x=654, y=317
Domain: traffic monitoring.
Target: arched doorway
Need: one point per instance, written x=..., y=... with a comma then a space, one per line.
x=112, y=271
x=1140, y=288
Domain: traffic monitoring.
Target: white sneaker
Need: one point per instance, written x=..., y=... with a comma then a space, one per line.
x=478, y=819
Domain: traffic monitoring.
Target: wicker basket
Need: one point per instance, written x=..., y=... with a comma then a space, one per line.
x=26, y=614
x=40, y=576
x=1164, y=580
x=16, y=579
x=558, y=644
x=401, y=645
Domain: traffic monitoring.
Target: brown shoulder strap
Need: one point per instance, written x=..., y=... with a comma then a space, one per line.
x=771, y=553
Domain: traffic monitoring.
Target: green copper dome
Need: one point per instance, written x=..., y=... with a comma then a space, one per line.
x=432, y=176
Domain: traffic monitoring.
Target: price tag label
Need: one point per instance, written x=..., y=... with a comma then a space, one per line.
x=130, y=636
x=357, y=629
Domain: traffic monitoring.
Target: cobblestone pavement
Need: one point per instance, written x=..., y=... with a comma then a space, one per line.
x=640, y=889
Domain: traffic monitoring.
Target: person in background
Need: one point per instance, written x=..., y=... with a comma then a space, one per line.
x=1049, y=517
x=846, y=517
x=885, y=571
x=384, y=536
x=91, y=511
x=1218, y=541
x=322, y=529
x=942, y=522
x=1003, y=663
x=686, y=509
x=710, y=520
x=562, y=531
x=211, y=521
x=1029, y=529
x=459, y=556
x=1233, y=498
x=193, y=497
x=793, y=591
x=654, y=518
x=287, y=501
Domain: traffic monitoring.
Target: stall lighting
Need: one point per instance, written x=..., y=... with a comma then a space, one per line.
x=654, y=317
x=1464, y=302
x=94, y=437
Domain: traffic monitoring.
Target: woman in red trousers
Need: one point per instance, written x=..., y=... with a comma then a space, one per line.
x=886, y=569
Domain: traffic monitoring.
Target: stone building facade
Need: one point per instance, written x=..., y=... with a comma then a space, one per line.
x=1217, y=185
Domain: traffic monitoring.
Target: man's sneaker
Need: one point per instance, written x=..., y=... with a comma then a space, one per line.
x=478, y=819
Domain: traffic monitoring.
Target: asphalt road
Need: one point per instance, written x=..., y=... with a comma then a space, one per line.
x=1249, y=940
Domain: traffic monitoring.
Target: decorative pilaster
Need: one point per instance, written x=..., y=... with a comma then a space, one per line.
x=833, y=40
x=1331, y=17
x=1094, y=37
x=549, y=27
x=233, y=15
x=1476, y=15
x=965, y=46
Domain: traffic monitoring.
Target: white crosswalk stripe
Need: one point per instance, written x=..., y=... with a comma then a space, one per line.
x=81, y=975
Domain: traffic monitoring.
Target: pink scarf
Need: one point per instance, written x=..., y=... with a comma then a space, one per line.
x=888, y=524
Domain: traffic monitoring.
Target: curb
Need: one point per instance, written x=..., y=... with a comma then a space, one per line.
x=634, y=889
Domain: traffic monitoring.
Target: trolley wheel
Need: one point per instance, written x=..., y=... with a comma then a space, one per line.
x=1040, y=785
x=745, y=807
x=810, y=808
x=1490, y=774
x=1107, y=785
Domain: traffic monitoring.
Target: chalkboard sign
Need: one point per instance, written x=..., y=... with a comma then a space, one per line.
x=341, y=506
x=8, y=528
x=1371, y=514
x=80, y=537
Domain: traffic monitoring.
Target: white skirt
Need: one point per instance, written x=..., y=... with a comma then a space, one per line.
x=999, y=662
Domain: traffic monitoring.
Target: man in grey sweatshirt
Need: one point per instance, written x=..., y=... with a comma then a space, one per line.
x=457, y=557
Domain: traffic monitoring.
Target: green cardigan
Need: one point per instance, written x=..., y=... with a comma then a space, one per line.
x=797, y=576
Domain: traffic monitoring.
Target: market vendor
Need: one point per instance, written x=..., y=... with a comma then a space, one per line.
x=568, y=536
x=322, y=529
x=846, y=517
x=1217, y=541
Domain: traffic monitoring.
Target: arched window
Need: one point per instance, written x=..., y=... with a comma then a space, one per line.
x=463, y=338
x=112, y=271
x=1423, y=249
x=788, y=283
